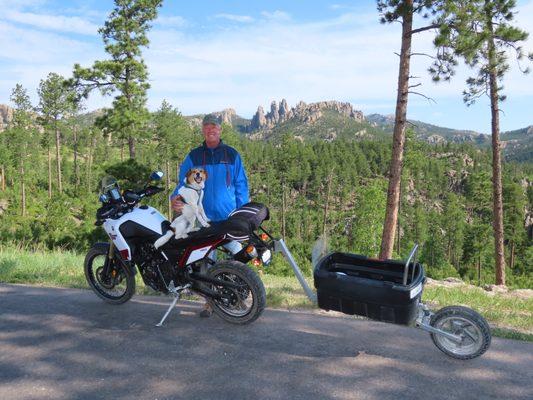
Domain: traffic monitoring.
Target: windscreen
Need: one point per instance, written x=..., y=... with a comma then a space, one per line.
x=109, y=186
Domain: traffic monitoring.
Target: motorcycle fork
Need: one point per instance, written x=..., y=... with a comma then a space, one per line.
x=109, y=260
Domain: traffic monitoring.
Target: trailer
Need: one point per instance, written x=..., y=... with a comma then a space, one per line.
x=390, y=291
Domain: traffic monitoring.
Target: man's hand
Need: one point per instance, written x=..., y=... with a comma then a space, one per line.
x=177, y=204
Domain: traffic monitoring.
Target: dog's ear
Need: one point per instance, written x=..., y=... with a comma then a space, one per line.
x=205, y=174
x=187, y=175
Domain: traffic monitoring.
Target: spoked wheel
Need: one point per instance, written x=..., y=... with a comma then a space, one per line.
x=471, y=328
x=242, y=305
x=117, y=286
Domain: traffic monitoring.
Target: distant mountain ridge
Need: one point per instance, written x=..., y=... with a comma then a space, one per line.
x=331, y=120
x=431, y=133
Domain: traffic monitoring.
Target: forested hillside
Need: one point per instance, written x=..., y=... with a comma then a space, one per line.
x=316, y=187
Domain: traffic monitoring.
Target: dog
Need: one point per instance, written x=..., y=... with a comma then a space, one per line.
x=192, y=195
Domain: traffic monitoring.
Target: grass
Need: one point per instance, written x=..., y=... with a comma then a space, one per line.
x=510, y=317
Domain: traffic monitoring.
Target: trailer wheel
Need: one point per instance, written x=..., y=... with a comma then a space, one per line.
x=464, y=322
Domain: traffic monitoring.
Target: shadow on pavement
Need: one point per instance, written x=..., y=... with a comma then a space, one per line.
x=65, y=343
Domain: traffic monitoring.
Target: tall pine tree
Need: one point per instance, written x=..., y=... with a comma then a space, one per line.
x=401, y=11
x=480, y=33
x=124, y=35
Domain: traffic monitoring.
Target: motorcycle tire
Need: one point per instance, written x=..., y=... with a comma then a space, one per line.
x=115, y=290
x=245, y=305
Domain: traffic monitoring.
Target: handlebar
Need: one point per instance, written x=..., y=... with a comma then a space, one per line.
x=129, y=200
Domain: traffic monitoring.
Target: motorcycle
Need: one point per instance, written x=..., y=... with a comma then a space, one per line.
x=233, y=289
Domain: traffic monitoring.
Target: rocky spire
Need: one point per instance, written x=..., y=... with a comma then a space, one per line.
x=273, y=115
x=304, y=113
x=284, y=111
x=226, y=116
x=6, y=115
x=259, y=120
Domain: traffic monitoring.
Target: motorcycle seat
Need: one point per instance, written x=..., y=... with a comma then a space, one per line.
x=239, y=226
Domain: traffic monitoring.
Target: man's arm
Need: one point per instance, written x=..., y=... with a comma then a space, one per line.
x=240, y=181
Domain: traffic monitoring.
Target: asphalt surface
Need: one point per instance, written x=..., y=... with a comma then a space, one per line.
x=68, y=344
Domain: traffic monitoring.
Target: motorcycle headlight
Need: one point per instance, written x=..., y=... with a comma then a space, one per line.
x=266, y=257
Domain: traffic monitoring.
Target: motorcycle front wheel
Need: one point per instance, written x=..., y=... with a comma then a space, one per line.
x=239, y=306
x=118, y=286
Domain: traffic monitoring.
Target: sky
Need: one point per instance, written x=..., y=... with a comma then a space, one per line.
x=207, y=55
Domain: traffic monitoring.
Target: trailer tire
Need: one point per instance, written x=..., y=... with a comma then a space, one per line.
x=465, y=322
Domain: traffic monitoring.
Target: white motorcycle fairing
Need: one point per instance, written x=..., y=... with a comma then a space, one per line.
x=146, y=216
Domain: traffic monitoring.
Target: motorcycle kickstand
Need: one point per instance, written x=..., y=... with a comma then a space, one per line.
x=176, y=292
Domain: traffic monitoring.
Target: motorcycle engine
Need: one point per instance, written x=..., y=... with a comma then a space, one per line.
x=155, y=270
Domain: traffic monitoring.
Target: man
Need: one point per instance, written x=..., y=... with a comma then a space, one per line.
x=226, y=187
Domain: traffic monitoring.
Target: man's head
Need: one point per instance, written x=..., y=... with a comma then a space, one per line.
x=211, y=129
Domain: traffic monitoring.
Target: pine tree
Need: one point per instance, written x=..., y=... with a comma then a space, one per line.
x=399, y=11
x=480, y=33
x=20, y=136
x=514, y=201
x=171, y=133
x=56, y=102
x=124, y=35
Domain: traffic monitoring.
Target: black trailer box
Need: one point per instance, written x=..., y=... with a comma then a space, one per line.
x=354, y=284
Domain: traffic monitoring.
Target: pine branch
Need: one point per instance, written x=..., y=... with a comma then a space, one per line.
x=424, y=96
x=424, y=28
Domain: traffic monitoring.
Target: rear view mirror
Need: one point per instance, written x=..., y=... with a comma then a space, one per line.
x=156, y=176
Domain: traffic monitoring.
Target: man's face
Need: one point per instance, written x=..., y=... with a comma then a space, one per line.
x=211, y=134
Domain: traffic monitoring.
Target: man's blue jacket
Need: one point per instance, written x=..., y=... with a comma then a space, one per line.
x=226, y=187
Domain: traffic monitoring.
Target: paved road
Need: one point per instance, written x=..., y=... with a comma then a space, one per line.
x=68, y=344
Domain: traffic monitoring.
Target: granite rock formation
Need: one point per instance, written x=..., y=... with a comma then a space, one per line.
x=6, y=115
x=302, y=113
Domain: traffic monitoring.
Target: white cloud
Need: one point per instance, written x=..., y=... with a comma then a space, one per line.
x=29, y=55
x=174, y=21
x=58, y=23
x=347, y=58
x=276, y=15
x=235, y=18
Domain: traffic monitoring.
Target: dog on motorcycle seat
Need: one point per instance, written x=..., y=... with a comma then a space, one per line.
x=193, y=214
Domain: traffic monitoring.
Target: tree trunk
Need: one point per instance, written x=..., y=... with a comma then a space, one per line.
x=325, y=222
x=398, y=223
x=3, y=177
x=22, y=185
x=497, y=223
x=398, y=139
x=131, y=145
x=58, y=158
x=90, y=163
x=479, y=270
x=76, y=168
x=49, y=172
x=513, y=248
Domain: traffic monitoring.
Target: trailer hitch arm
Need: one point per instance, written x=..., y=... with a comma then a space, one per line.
x=281, y=247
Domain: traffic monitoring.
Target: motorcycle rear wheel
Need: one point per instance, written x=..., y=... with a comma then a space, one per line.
x=246, y=304
x=117, y=288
